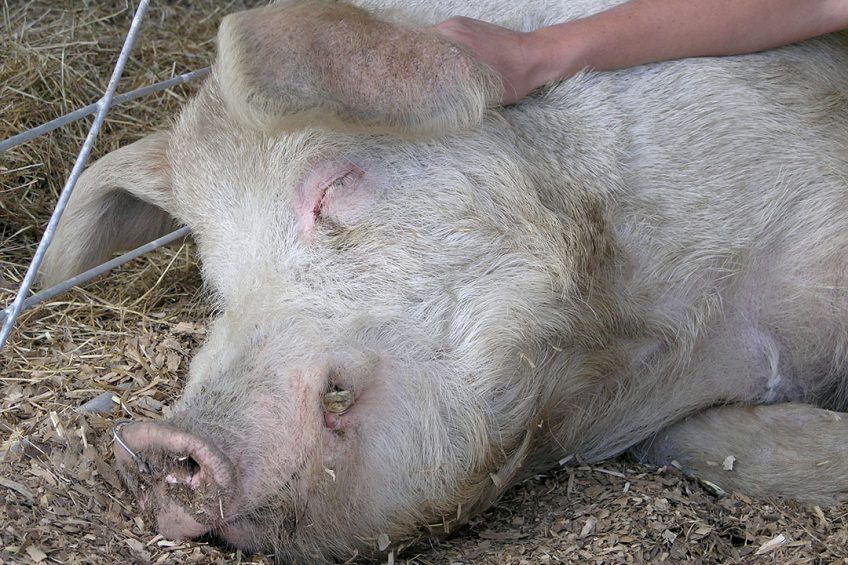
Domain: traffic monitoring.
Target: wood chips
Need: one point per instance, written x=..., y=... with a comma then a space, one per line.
x=121, y=345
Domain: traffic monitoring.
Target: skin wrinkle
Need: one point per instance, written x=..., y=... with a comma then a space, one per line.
x=616, y=257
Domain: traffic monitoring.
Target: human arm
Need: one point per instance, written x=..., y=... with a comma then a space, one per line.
x=639, y=32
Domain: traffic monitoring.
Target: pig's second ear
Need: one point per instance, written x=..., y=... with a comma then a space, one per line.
x=120, y=202
x=326, y=63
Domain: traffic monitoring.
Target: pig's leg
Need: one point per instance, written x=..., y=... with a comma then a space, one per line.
x=793, y=450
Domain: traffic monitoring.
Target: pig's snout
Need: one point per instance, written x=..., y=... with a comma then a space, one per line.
x=182, y=480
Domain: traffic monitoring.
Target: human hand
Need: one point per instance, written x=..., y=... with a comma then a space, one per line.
x=517, y=57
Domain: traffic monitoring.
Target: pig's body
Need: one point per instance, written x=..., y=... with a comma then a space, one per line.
x=574, y=275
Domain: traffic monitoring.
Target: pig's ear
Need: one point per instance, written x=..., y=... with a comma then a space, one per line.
x=330, y=64
x=120, y=202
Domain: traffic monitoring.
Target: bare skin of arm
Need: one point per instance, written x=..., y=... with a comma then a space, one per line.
x=639, y=32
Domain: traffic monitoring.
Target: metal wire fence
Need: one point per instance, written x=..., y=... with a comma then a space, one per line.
x=23, y=300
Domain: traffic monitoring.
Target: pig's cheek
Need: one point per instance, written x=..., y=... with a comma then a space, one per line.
x=339, y=436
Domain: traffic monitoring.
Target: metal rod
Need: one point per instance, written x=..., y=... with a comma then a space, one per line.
x=98, y=270
x=23, y=137
x=100, y=115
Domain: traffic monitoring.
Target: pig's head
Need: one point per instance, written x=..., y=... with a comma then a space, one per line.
x=387, y=309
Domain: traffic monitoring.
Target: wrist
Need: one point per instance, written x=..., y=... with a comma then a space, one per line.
x=560, y=51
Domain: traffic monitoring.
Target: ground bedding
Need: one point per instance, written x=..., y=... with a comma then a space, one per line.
x=125, y=342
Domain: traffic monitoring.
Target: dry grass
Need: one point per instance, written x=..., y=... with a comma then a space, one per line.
x=130, y=335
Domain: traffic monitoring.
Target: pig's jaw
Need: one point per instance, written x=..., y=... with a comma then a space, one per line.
x=250, y=491
x=313, y=475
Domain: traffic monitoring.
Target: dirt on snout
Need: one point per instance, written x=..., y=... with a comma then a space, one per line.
x=120, y=347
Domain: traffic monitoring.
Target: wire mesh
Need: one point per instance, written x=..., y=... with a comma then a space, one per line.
x=10, y=314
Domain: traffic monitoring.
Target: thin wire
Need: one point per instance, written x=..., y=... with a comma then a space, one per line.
x=102, y=107
x=144, y=466
x=23, y=137
x=98, y=270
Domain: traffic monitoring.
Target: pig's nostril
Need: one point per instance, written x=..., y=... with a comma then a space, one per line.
x=189, y=464
x=184, y=470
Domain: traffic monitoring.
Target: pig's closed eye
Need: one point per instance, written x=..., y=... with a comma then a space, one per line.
x=336, y=196
x=330, y=192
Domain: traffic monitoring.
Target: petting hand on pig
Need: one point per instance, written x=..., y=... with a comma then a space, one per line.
x=640, y=32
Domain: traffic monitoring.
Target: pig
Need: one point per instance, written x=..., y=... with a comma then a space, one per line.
x=423, y=298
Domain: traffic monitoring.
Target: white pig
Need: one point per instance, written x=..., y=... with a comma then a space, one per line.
x=423, y=299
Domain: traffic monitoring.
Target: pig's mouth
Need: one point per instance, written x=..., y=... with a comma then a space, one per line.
x=185, y=484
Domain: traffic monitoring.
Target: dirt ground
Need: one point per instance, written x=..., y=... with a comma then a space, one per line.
x=127, y=338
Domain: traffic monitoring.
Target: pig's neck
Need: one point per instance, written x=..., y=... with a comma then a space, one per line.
x=651, y=328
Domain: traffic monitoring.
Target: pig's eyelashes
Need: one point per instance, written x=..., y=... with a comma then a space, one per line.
x=316, y=211
x=327, y=194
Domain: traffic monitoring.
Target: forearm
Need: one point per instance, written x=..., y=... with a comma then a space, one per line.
x=639, y=32
x=643, y=31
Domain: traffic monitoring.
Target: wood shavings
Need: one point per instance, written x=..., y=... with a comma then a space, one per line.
x=17, y=487
x=771, y=544
x=36, y=554
x=589, y=526
x=383, y=542
x=61, y=499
